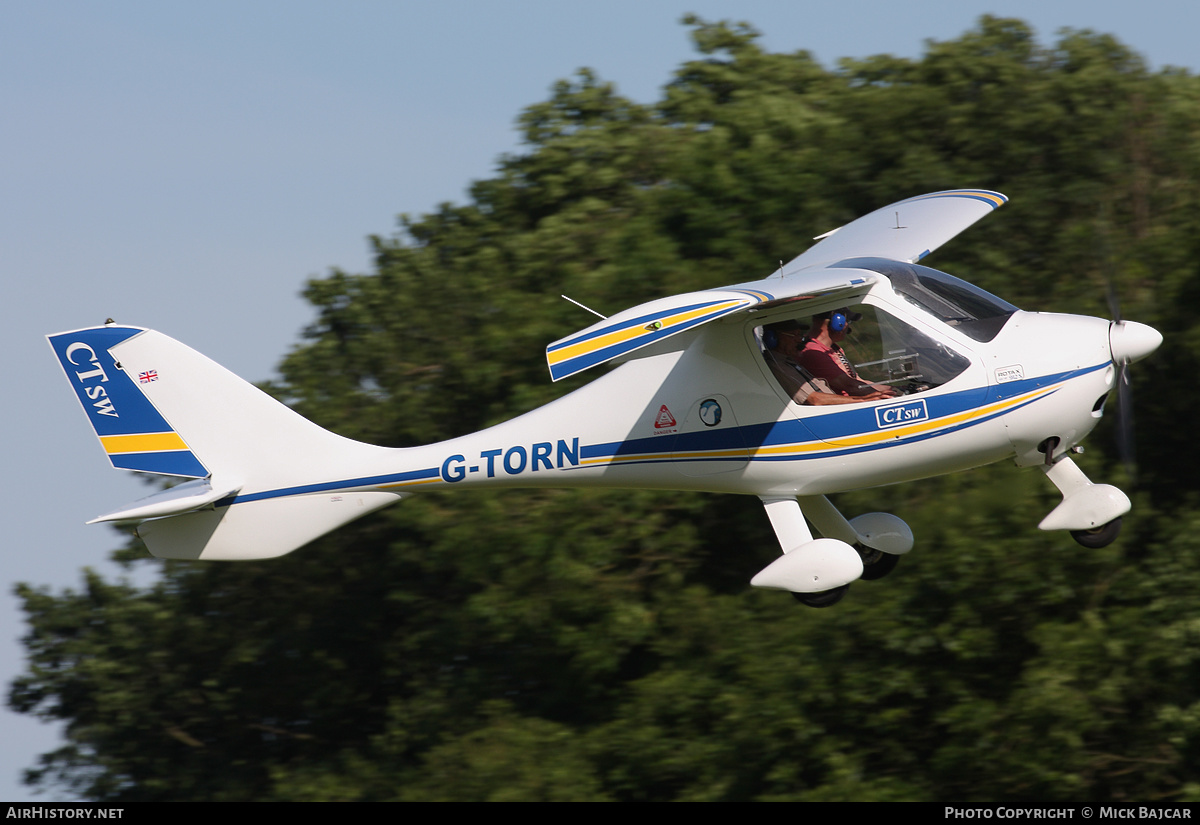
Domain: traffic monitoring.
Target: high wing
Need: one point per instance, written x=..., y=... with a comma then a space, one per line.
x=652, y=322
x=905, y=231
x=642, y=326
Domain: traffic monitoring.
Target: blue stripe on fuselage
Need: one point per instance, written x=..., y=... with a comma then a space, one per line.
x=841, y=424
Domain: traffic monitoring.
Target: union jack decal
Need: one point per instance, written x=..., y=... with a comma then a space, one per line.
x=148, y=376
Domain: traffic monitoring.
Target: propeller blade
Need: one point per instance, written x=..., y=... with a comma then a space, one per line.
x=1126, y=449
x=1114, y=304
x=1129, y=341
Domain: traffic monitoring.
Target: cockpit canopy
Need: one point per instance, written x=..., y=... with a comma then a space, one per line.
x=975, y=312
x=879, y=350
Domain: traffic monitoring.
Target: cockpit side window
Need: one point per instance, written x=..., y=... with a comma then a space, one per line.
x=877, y=356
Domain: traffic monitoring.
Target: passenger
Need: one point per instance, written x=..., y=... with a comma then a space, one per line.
x=823, y=358
x=784, y=342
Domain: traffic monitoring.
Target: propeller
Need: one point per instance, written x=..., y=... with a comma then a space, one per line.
x=1128, y=341
x=1126, y=447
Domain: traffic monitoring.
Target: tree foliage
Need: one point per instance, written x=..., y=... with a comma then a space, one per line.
x=605, y=645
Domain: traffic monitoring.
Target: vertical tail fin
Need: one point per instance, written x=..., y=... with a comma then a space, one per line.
x=158, y=406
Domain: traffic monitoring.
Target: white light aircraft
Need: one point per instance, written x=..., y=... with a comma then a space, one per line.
x=851, y=366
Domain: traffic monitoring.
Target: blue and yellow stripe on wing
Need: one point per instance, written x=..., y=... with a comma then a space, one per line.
x=757, y=294
x=605, y=341
x=995, y=199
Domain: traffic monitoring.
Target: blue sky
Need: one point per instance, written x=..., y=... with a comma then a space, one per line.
x=189, y=166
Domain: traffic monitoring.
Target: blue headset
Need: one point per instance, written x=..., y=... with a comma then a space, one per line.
x=837, y=322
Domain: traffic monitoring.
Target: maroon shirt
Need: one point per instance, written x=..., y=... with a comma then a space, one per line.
x=826, y=362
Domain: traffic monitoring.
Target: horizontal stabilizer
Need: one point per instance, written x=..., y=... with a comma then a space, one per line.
x=257, y=529
x=183, y=498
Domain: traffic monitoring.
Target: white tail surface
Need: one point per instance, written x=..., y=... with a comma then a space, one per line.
x=240, y=433
x=267, y=477
x=257, y=529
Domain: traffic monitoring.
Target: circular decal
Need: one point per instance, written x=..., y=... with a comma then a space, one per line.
x=710, y=413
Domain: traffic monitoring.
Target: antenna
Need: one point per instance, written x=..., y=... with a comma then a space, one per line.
x=589, y=309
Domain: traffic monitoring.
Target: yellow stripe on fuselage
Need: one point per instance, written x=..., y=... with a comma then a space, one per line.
x=861, y=440
x=142, y=443
x=893, y=433
x=412, y=483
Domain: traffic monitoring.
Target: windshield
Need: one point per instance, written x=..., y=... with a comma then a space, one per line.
x=974, y=311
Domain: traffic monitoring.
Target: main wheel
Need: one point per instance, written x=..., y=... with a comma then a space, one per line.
x=876, y=564
x=825, y=598
x=1101, y=536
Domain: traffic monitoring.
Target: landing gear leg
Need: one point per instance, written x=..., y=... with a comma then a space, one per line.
x=1092, y=512
x=817, y=571
x=879, y=538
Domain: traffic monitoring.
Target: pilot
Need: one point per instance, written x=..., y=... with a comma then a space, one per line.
x=784, y=342
x=822, y=356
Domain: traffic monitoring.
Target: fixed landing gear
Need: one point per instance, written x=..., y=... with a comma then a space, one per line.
x=876, y=563
x=826, y=598
x=1091, y=512
x=818, y=572
x=1099, y=537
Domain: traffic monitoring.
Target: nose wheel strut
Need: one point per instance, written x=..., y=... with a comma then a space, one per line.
x=1091, y=512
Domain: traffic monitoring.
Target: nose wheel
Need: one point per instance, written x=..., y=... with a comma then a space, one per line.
x=1091, y=512
x=826, y=598
x=1099, y=537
